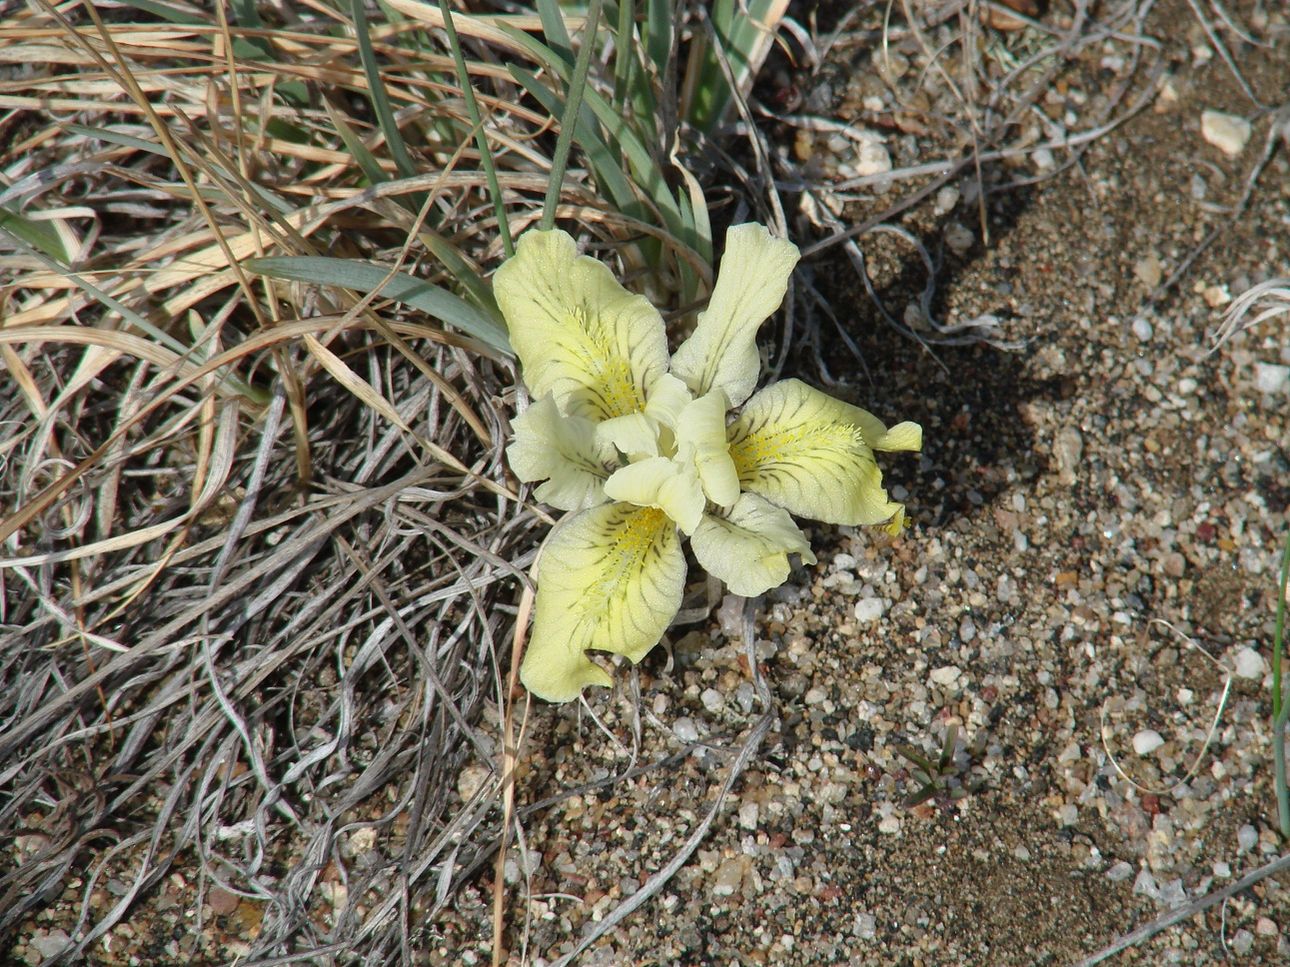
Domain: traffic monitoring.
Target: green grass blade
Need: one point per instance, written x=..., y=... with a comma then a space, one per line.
x=40, y=235
x=379, y=98
x=569, y=121
x=659, y=17
x=477, y=125
x=624, y=50
x=555, y=29
x=166, y=12
x=363, y=157
x=367, y=277
x=648, y=175
x=605, y=167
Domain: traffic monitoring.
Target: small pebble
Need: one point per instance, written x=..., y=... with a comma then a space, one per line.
x=1142, y=328
x=1145, y=885
x=712, y=700
x=889, y=825
x=1120, y=871
x=748, y=815
x=1222, y=870
x=221, y=901
x=1227, y=132
x=1070, y=448
x=946, y=200
x=50, y=944
x=1249, y=664
x=1242, y=941
x=1265, y=927
x=1271, y=378
x=865, y=927
x=873, y=158
x=685, y=730
x=869, y=609
x=1247, y=837
x=959, y=238
x=1147, y=741
x=729, y=875
x=946, y=675
x=1150, y=273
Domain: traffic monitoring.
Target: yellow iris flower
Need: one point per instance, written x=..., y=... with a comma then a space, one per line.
x=639, y=449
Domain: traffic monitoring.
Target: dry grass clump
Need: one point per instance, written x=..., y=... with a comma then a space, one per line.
x=259, y=544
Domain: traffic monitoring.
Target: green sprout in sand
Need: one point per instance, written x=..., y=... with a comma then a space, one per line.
x=640, y=449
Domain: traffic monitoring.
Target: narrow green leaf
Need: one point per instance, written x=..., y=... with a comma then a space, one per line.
x=380, y=100
x=166, y=12
x=363, y=156
x=605, y=166
x=577, y=86
x=658, y=32
x=477, y=125
x=367, y=277
x=38, y=234
x=555, y=30
x=648, y=175
x=624, y=50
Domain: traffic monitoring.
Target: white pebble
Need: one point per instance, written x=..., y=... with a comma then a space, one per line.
x=1242, y=941
x=1270, y=378
x=1249, y=663
x=946, y=199
x=959, y=238
x=1247, y=837
x=1227, y=132
x=1222, y=870
x=967, y=629
x=748, y=814
x=1147, y=741
x=866, y=926
x=685, y=730
x=869, y=609
x=1146, y=885
x=712, y=699
x=874, y=159
x=1120, y=871
x=1043, y=159
x=1068, y=814
x=946, y=675
x=1143, y=329
x=889, y=825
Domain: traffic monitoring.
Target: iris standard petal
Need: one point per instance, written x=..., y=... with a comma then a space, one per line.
x=750, y=286
x=577, y=332
x=748, y=546
x=660, y=482
x=806, y=452
x=563, y=451
x=609, y=578
x=701, y=438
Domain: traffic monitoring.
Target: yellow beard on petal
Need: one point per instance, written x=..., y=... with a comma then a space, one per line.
x=633, y=543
